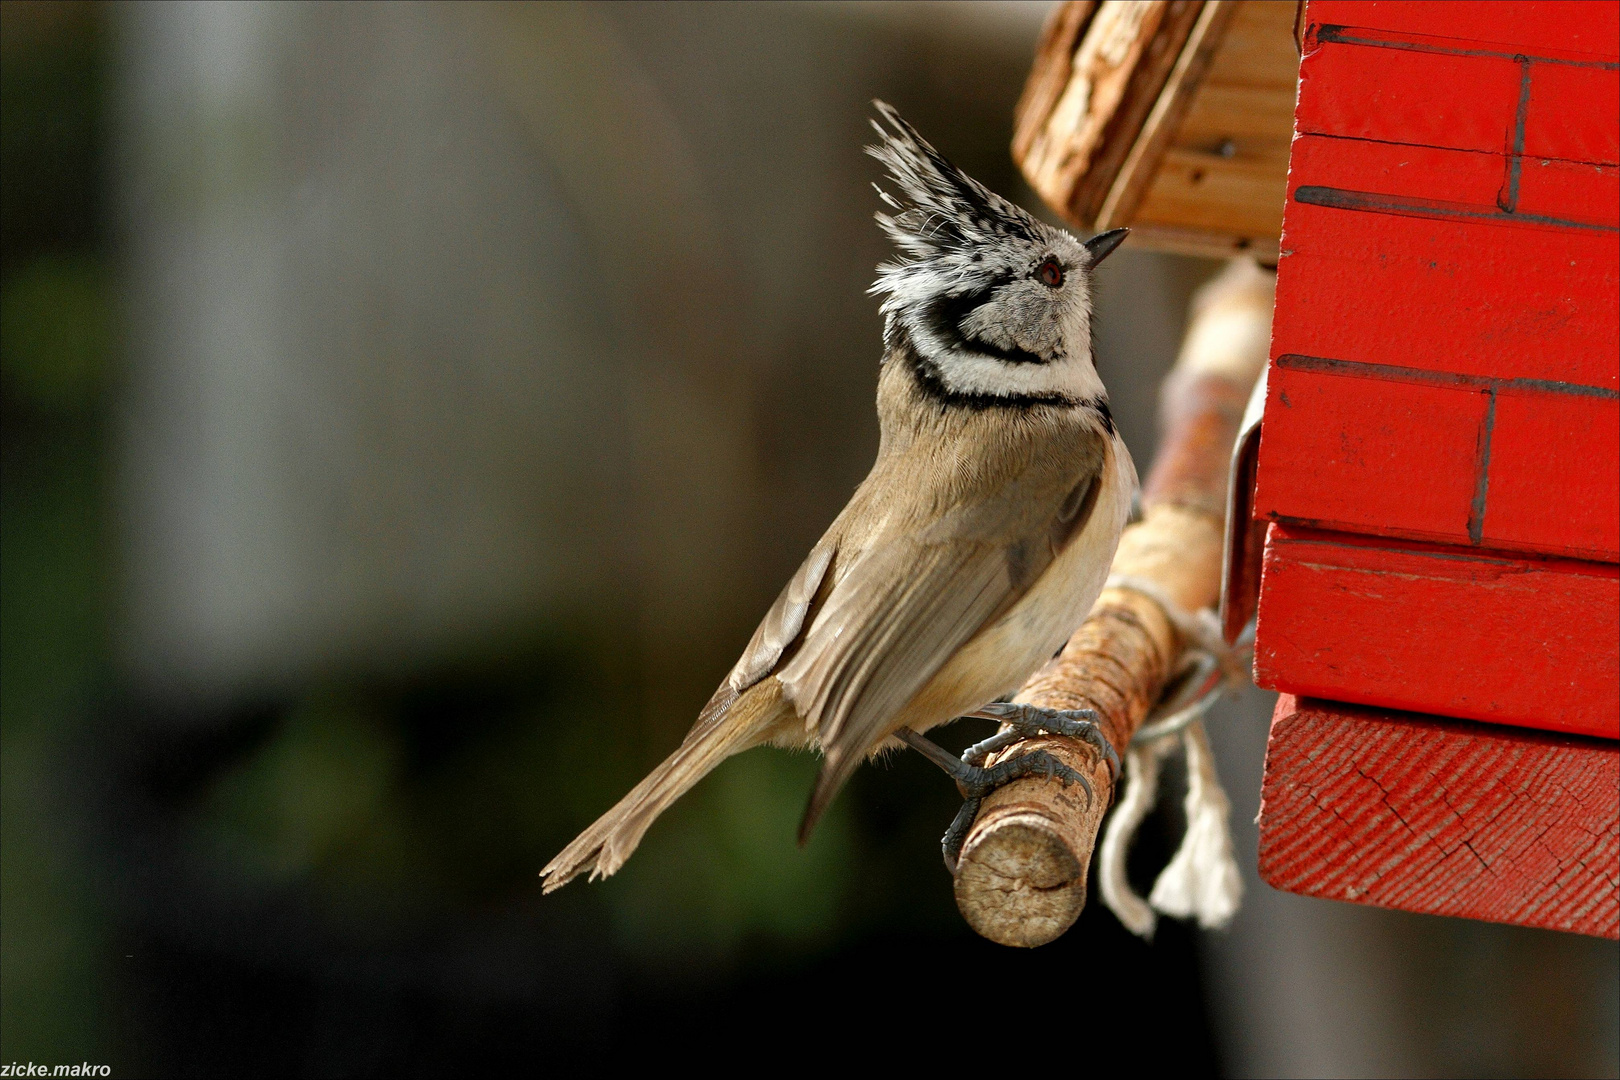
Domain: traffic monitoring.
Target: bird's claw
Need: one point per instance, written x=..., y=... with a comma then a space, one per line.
x=1025, y=721
x=975, y=781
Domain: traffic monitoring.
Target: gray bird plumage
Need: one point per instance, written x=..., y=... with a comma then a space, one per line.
x=983, y=533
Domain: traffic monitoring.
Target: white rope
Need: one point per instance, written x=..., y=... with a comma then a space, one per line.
x=1202, y=880
x=1201, y=629
x=1141, y=792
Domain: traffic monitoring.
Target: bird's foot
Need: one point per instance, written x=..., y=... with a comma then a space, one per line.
x=975, y=781
x=1025, y=721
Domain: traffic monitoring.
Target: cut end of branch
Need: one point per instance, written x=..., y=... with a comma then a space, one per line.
x=1018, y=883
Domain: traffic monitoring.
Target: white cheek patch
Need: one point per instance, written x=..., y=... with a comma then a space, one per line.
x=965, y=372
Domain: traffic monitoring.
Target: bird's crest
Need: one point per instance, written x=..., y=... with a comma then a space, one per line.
x=945, y=223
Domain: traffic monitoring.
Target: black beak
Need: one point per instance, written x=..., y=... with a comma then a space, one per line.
x=1103, y=243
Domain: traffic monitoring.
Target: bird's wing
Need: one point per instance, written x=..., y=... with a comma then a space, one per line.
x=785, y=619
x=912, y=597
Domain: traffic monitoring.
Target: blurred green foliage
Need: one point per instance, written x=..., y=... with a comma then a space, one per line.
x=53, y=71
x=56, y=332
x=317, y=797
x=723, y=868
x=56, y=319
x=383, y=809
x=51, y=600
x=331, y=800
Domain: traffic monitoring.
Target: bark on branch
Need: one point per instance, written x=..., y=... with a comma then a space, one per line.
x=1021, y=879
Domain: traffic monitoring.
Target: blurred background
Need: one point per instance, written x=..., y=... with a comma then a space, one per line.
x=408, y=411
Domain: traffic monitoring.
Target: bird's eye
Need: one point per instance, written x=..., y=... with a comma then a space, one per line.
x=1050, y=273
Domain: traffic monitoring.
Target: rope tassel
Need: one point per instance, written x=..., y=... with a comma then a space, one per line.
x=1202, y=880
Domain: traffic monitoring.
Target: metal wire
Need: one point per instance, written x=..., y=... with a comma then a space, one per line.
x=1204, y=676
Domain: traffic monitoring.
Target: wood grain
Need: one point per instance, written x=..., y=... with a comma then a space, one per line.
x=1444, y=817
x=1076, y=145
x=1174, y=121
x=1130, y=184
x=1049, y=75
x=1444, y=630
x=1022, y=876
x=1222, y=177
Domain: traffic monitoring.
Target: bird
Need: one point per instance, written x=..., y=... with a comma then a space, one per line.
x=973, y=549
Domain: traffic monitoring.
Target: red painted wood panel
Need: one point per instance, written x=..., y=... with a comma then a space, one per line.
x=1409, y=172
x=1496, y=273
x=1552, y=28
x=1375, y=281
x=1532, y=642
x=1573, y=113
x=1444, y=93
x=1370, y=455
x=1577, y=192
x=1459, y=102
x=1537, y=440
x=1410, y=454
x=1445, y=384
x=1442, y=817
x=1465, y=187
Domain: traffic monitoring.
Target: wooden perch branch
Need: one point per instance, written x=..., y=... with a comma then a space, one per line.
x=1021, y=879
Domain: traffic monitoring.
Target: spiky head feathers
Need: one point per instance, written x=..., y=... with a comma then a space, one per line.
x=947, y=217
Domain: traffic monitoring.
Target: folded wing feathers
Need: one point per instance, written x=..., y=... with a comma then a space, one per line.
x=882, y=636
x=785, y=619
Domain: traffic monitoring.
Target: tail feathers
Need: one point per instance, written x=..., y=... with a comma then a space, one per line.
x=836, y=770
x=729, y=724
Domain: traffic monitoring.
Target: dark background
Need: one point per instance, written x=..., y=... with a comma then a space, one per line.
x=407, y=413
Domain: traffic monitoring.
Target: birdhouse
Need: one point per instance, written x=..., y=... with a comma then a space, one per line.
x=1431, y=531
x=1439, y=466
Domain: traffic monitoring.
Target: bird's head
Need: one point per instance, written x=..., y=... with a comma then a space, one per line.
x=995, y=303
